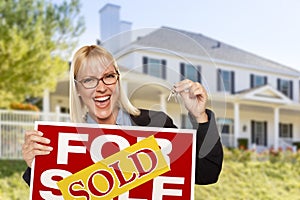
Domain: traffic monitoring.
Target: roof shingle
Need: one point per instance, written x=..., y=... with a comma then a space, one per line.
x=196, y=44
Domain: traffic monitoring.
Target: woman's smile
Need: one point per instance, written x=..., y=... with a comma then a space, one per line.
x=102, y=101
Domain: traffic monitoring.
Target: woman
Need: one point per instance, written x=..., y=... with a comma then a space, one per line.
x=96, y=96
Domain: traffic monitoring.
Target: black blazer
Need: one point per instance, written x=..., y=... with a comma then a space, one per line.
x=209, y=151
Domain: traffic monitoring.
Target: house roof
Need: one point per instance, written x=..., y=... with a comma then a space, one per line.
x=201, y=46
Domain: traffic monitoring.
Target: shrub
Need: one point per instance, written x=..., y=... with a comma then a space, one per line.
x=23, y=106
x=243, y=143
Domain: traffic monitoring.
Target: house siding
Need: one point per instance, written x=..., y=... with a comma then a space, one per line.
x=242, y=82
x=239, y=62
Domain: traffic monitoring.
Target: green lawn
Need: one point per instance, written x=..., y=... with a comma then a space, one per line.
x=251, y=176
x=245, y=175
x=12, y=185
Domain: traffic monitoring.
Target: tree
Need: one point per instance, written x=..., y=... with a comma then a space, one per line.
x=36, y=39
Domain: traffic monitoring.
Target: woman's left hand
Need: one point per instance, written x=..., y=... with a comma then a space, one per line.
x=194, y=97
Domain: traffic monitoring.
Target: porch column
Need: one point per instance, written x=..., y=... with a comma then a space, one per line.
x=57, y=112
x=162, y=102
x=46, y=104
x=276, y=128
x=236, y=123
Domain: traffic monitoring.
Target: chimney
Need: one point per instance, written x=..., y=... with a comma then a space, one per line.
x=111, y=28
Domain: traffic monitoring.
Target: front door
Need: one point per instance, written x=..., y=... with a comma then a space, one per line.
x=259, y=133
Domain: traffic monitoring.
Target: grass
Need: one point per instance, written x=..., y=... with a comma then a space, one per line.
x=12, y=186
x=245, y=176
x=250, y=176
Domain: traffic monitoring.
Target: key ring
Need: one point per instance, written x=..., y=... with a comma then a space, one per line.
x=174, y=94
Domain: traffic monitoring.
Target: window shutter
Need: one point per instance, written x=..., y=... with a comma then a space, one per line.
x=219, y=81
x=291, y=130
x=232, y=83
x=278, y=84
x=251, y=80
x=280, y=130
x=199, y=74
x=265, y=133
x=252, y=132
x=291, y=89
x=182, y=74
x=265, y=80
x=145, y=65
x=164, y=69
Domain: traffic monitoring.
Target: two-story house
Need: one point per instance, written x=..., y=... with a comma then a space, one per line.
x=255, y=99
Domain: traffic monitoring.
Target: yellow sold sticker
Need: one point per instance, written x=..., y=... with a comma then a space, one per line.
x=117, y=173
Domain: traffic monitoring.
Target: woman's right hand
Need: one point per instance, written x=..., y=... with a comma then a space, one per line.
x=34, y=144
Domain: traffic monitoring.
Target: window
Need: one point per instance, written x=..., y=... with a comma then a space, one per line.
x=185, y=122
x=154, y=67
x=226, y=81
x=64, y=110
x=256, y=80
x=225, y=126
x=285, y=130
x=259, y=133
x=286, y=87
x=189, y=71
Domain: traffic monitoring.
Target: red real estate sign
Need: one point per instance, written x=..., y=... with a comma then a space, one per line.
x=78, y=146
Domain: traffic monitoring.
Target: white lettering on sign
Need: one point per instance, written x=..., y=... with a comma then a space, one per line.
x=46, y=180
x=99, y=141
x=64, y=149
x=158, y=187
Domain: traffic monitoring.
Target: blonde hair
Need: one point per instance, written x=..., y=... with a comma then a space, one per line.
x=93, y=55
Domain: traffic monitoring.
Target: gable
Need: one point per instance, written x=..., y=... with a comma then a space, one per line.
x=268, y=94
x=265, y=94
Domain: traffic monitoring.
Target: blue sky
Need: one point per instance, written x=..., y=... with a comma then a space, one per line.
x=268, y=28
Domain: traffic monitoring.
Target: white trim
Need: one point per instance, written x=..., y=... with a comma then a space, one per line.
x=109, y=126
x=265, y=94
x=46, y=103
x=236, y=123
x=276, y=128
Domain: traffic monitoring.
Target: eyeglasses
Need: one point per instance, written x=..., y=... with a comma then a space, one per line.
x=92, y=82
